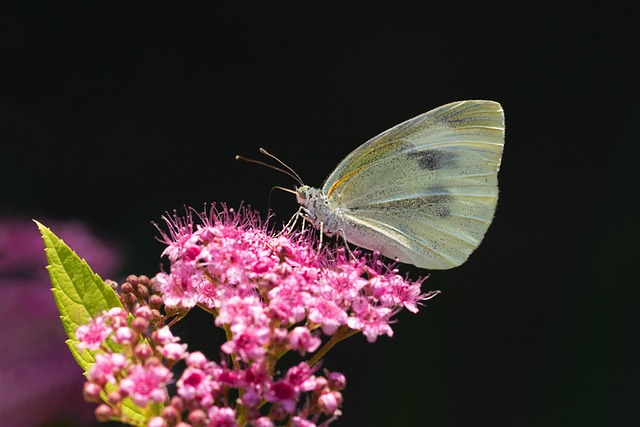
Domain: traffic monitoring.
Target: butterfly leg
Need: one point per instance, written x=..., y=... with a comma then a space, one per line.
x=290, y=225
x=321, y=228
x=346, y=245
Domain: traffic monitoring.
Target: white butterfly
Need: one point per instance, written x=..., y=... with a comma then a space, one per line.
x=424, y=191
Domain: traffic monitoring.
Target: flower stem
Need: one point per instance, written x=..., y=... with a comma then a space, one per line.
x=342, y=333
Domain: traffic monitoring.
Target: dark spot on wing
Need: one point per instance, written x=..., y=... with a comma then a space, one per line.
x=435, y=205
x=434, y=159
x=439, y=205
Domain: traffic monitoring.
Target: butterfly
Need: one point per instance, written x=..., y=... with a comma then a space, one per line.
x=423, y=192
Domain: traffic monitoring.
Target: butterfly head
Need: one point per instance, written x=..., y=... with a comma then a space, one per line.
x=303, y=195
x=313, y=203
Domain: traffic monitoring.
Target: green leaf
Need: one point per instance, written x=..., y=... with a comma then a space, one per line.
x=80, y=294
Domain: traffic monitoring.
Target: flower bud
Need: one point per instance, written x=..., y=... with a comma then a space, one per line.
x=279, y=336
x=114, y=397
x=130, y=299
x=277, y=413
x=152, y=361
x=141, y=291
x=112, y=284
x=139, y=324
x=263, y=422
x=173, y=351
x=143, y=311
x=91, y=392
x=171, y=310
x=171, y=414
x=123, y=335
x=126, y=288
x=337, y=381
x=197, y=360
x=157, y=422
x=163, y=335
x=330, y=402
x=300, y=339
x=153, y=284
x=143, y=351
x=103, y=413
x=197, y=418
x=156, y=317
x=155, y=302
x=178, y=403
x=321, y=384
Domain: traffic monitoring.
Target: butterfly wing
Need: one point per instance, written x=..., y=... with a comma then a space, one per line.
x=424, y=191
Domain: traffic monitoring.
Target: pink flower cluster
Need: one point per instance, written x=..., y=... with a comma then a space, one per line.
x=254, y=280
x=140, y=370
x=271, y=294
x=203, y=393
x=128, y=363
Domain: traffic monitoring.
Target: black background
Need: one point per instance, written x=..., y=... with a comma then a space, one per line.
x=114, y=113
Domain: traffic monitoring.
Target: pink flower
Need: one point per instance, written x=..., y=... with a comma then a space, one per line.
x=179, y=240
x=300, y=339
x=301, y=422
x=106, y=367
x=207, y=294
x=288, y=301
x=143, y=351
x=195, y=384
x=164, y=336
x=301, y=376
x=343, y=281
x=373, y=321
x=221, y=417
x=123, y=335
x=240, y=312
x=248, y=344
x=394, y=291
x=330, y=401
x=174, y=351
x=328, y=314
x=117, y=317
x=251, y=397
x=146, y=384
x=284, y=393
x=263, y=422
x=179, y=288
x=143, y=311
x=337, y=381
x=157, y=422
x=196, y=360
x=93, y=334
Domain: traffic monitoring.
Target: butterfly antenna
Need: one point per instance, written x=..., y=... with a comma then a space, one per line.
x=287, y=169
x=291, y=173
